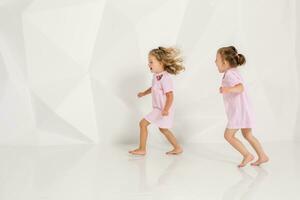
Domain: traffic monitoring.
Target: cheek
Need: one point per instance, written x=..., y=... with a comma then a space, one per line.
x=159, y=66
x=220, y=66
x=155, y=65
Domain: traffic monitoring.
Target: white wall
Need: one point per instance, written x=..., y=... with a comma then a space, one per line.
x=297, y=127
x=70, y=69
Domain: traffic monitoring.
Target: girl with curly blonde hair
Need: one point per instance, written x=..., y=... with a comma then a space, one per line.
x=163, y=62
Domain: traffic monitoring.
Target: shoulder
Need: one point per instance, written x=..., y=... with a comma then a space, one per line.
x=167, y=76
x=167, y=79
x=233, y=74
x=232, y=77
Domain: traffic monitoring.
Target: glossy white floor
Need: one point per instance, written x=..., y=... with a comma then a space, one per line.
x=204, y=171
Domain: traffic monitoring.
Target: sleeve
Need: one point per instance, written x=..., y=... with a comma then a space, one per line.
x=233, y=79
x=167, y=84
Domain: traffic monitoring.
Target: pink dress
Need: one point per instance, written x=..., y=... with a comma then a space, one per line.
x=237, y=105
x=161, y=84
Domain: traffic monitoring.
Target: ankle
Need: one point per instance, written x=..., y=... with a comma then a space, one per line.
x=263, y=155
x=248, y=155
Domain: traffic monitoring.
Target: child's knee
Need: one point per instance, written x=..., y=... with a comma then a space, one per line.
x=228, y=136
x=247, y=134
x=143, y=123
x=163, y=130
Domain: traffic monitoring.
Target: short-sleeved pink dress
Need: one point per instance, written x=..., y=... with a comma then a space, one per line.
x=161, y=84
x=237, y=105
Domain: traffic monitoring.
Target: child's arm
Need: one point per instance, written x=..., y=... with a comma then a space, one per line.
x=235, y=89
x=146, y=92
x=169, y=101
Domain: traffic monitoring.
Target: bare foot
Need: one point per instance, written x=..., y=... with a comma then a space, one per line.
x=175, y=151
x=138, y=152
x=260, y=161
x=246, y=160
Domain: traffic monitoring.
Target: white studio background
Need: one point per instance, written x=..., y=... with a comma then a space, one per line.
x=297, y=127
x=70, y=69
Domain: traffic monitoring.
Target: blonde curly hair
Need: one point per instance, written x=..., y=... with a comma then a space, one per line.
x=170, y=58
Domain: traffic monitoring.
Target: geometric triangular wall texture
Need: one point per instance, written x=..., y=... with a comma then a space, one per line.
x=70, y=69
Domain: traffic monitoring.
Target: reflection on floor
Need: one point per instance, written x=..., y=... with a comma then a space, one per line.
x=203, y=171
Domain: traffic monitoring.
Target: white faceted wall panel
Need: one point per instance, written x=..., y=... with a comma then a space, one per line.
x=70, y=69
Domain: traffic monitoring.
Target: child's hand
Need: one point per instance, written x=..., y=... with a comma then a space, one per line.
x=141, y=94
x=224, y=90
x=165, y=113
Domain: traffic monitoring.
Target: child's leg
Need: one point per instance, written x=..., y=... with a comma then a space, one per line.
x=262, y=157
x=172, y=139
x=143, y=138
x=229, y=135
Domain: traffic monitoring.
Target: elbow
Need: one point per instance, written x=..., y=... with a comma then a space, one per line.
x=241, y=88
x=169, y=96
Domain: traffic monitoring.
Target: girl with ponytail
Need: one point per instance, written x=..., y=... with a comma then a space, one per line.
x=237, y=105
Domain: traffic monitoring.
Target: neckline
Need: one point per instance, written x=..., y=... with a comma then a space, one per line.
x=160, y=73
x=232, y=69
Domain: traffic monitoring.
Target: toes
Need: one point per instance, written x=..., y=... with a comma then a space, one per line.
x=174, y=152
x=137, y=152
x=131, y=151
x=169, y=152
x=259, y=162
x=243, y=164
x=255, y=164
x=246, y=161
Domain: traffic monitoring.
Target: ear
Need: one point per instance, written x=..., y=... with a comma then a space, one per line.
x=161, y=64
x=225, y=62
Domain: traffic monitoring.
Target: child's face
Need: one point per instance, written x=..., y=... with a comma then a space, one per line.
x=154, y=65
x=221, y=64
